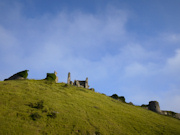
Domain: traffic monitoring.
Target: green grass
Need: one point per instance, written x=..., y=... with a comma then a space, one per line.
x=32, y=107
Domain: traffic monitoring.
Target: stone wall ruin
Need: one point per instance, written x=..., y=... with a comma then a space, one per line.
x=78, y=83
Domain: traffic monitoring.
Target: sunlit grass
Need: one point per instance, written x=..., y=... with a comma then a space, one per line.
x=43, y=107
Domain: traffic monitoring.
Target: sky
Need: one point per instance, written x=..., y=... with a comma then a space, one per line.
x=125, y=47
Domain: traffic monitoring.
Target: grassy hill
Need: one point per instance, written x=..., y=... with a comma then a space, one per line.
x=31, y=107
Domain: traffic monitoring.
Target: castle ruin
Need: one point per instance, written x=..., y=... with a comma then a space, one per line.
x=78, y=83
x=154, y=106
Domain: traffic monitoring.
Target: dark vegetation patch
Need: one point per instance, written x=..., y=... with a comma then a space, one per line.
x=92, y=89
x=38, y=105
x=130, y=103
x=52, y=115
x=96, y=107
x=171, y=113
x=97, y=133
x=23, y=74
x=143, y=105
x=35, y=116
x=50, y=77
x=120, y=98
x=66, y=85
x=18, y=76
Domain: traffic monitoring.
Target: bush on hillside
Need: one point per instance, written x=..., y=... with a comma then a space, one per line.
x=171, y=113
x=38, y=105
x=115, y=96
x=143, y=105
x=130, y=103
x=52, y=115
x=23, y=74
x=66, y=85
x=92, y=89
x=35, y=116
x=18, y=76
x=50, y=77
x=121, y=98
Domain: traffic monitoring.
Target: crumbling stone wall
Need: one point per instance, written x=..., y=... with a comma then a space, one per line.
x=78, y=83
x=172, y=114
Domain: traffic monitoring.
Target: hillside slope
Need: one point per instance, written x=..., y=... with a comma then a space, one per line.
x=32, y=107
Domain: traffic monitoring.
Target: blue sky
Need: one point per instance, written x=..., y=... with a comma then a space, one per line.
x=127, y=47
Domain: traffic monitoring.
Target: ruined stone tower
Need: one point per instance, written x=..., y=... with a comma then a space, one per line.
x=78, y=83
x=69, y=78
x=56, y=76
x=86, y=84
x=154, y=106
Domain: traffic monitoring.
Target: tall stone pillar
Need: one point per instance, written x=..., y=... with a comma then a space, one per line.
x=86, y=84
x=69, y=78
x=56, y=76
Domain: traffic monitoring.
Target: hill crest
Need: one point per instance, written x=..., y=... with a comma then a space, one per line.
x=45, y=107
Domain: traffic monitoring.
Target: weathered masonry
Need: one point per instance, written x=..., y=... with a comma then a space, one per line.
x=78, y=83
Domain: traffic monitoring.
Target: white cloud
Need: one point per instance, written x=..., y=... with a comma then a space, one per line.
x=172, y=37
x=135, y=69
x=7, y=40
x=173, y=65
x=169, y=100
x=10, y=51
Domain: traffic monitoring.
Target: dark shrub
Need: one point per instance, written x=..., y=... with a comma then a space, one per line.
x=143, y=105
x=122, y=98
x=38, y=105
x=171, y=113
x=97, y=133
x=35, y=116
x=23, y=74
x=115, y=96
x=18, y=76
x=66, y=85
x=52, y=115
x=130, y=103
x=50, y=77
x=92, y=89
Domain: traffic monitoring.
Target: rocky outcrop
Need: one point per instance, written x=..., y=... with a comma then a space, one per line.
x=18, y=76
